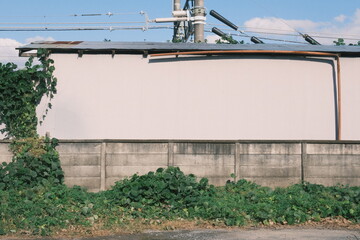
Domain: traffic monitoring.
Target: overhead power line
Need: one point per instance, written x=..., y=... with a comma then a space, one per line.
x=66, y=23
x=97, y=28
x=271, y=31
x=265, y=38
x=76, y=15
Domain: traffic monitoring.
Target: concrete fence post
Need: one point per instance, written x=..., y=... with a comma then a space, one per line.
x=103, y=167
x=170, y=154
x=236, y=161
x=303, y=160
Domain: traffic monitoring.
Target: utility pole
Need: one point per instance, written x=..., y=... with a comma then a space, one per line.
x=177, y=25
x=187, y=21
x=199, y=23
x=176, y=5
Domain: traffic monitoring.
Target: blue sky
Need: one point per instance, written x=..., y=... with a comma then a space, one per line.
x=325, y=19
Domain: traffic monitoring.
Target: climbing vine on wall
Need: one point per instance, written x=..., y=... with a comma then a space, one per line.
x=21, y=91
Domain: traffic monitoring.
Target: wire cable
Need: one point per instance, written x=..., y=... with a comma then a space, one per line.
x=111, y=28
x=265, y=38
x=76, y=15
x=315, y=34
x=67, y=23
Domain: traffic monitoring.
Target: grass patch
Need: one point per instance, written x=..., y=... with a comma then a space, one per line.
x=164, y=200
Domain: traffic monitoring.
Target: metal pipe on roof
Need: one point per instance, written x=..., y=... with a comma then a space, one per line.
x=279, y=52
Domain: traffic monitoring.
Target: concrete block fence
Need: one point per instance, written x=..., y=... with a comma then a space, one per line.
x=98, y=164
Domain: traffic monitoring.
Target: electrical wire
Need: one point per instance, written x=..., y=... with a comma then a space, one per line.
x=314, y=34
x=76, y=15
x=265, y=38
x=111, y=28
x=67, y=23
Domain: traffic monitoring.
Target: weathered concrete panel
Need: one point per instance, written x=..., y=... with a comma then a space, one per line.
x=333, y=171
x=137, y=159
x=270, y=148
x=203, y=160
x=204, y=148
x=79, y=147
x=81, y=171
x=274, y=182
x=5, y=154
x=110, y=181
x=268, y=164
x=126, y=171
x=333, y=160
x=270, y=160
x=137, y=148
x=269, y=172
x=209, y=172
x=336, y=149
x=79, y=159
x=90, y=183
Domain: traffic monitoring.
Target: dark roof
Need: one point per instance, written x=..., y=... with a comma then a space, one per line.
x=159, y=47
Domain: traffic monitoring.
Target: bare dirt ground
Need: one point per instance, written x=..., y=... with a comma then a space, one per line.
x=333, y=229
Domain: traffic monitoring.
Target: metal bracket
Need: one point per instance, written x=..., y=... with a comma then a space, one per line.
x=80, y=53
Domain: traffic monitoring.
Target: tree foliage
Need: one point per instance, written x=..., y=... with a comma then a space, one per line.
x=21, y=91
x=228, y=40
x=341, y=42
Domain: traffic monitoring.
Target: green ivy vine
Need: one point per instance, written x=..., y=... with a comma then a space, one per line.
x=21, y=91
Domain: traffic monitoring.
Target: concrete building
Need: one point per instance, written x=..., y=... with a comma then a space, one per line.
x=117, y=90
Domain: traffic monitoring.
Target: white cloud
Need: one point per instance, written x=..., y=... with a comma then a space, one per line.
x=340, y=18
x=8, y=52
x=338, y=28
x=212, y=38
x=356, y=17
x=39, y=38
x=281, y=24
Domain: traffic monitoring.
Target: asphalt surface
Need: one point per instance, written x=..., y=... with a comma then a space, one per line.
x=282, y=234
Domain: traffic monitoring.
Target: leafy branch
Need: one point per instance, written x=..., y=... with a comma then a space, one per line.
x=21, y=91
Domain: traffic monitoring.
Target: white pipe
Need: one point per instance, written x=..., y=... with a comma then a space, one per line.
x=180, y=13
x=163, y=20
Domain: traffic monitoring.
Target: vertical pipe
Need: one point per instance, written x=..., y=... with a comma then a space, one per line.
x=339, y=97
x=199, y=13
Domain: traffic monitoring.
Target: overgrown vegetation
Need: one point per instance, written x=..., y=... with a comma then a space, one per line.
x=21, y=91
x=168, y=194
x=35, y=164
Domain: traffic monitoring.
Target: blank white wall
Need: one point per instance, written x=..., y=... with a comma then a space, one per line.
x=350, y=75
x=131, y=97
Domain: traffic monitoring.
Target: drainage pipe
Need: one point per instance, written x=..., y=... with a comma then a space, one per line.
x=279, y=52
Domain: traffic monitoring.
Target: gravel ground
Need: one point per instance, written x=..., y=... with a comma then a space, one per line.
x=280, y=234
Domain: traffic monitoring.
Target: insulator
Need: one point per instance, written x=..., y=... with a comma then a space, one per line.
x=222, y=19
x=218, y=32
x=310, y=40
x=256, y=40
